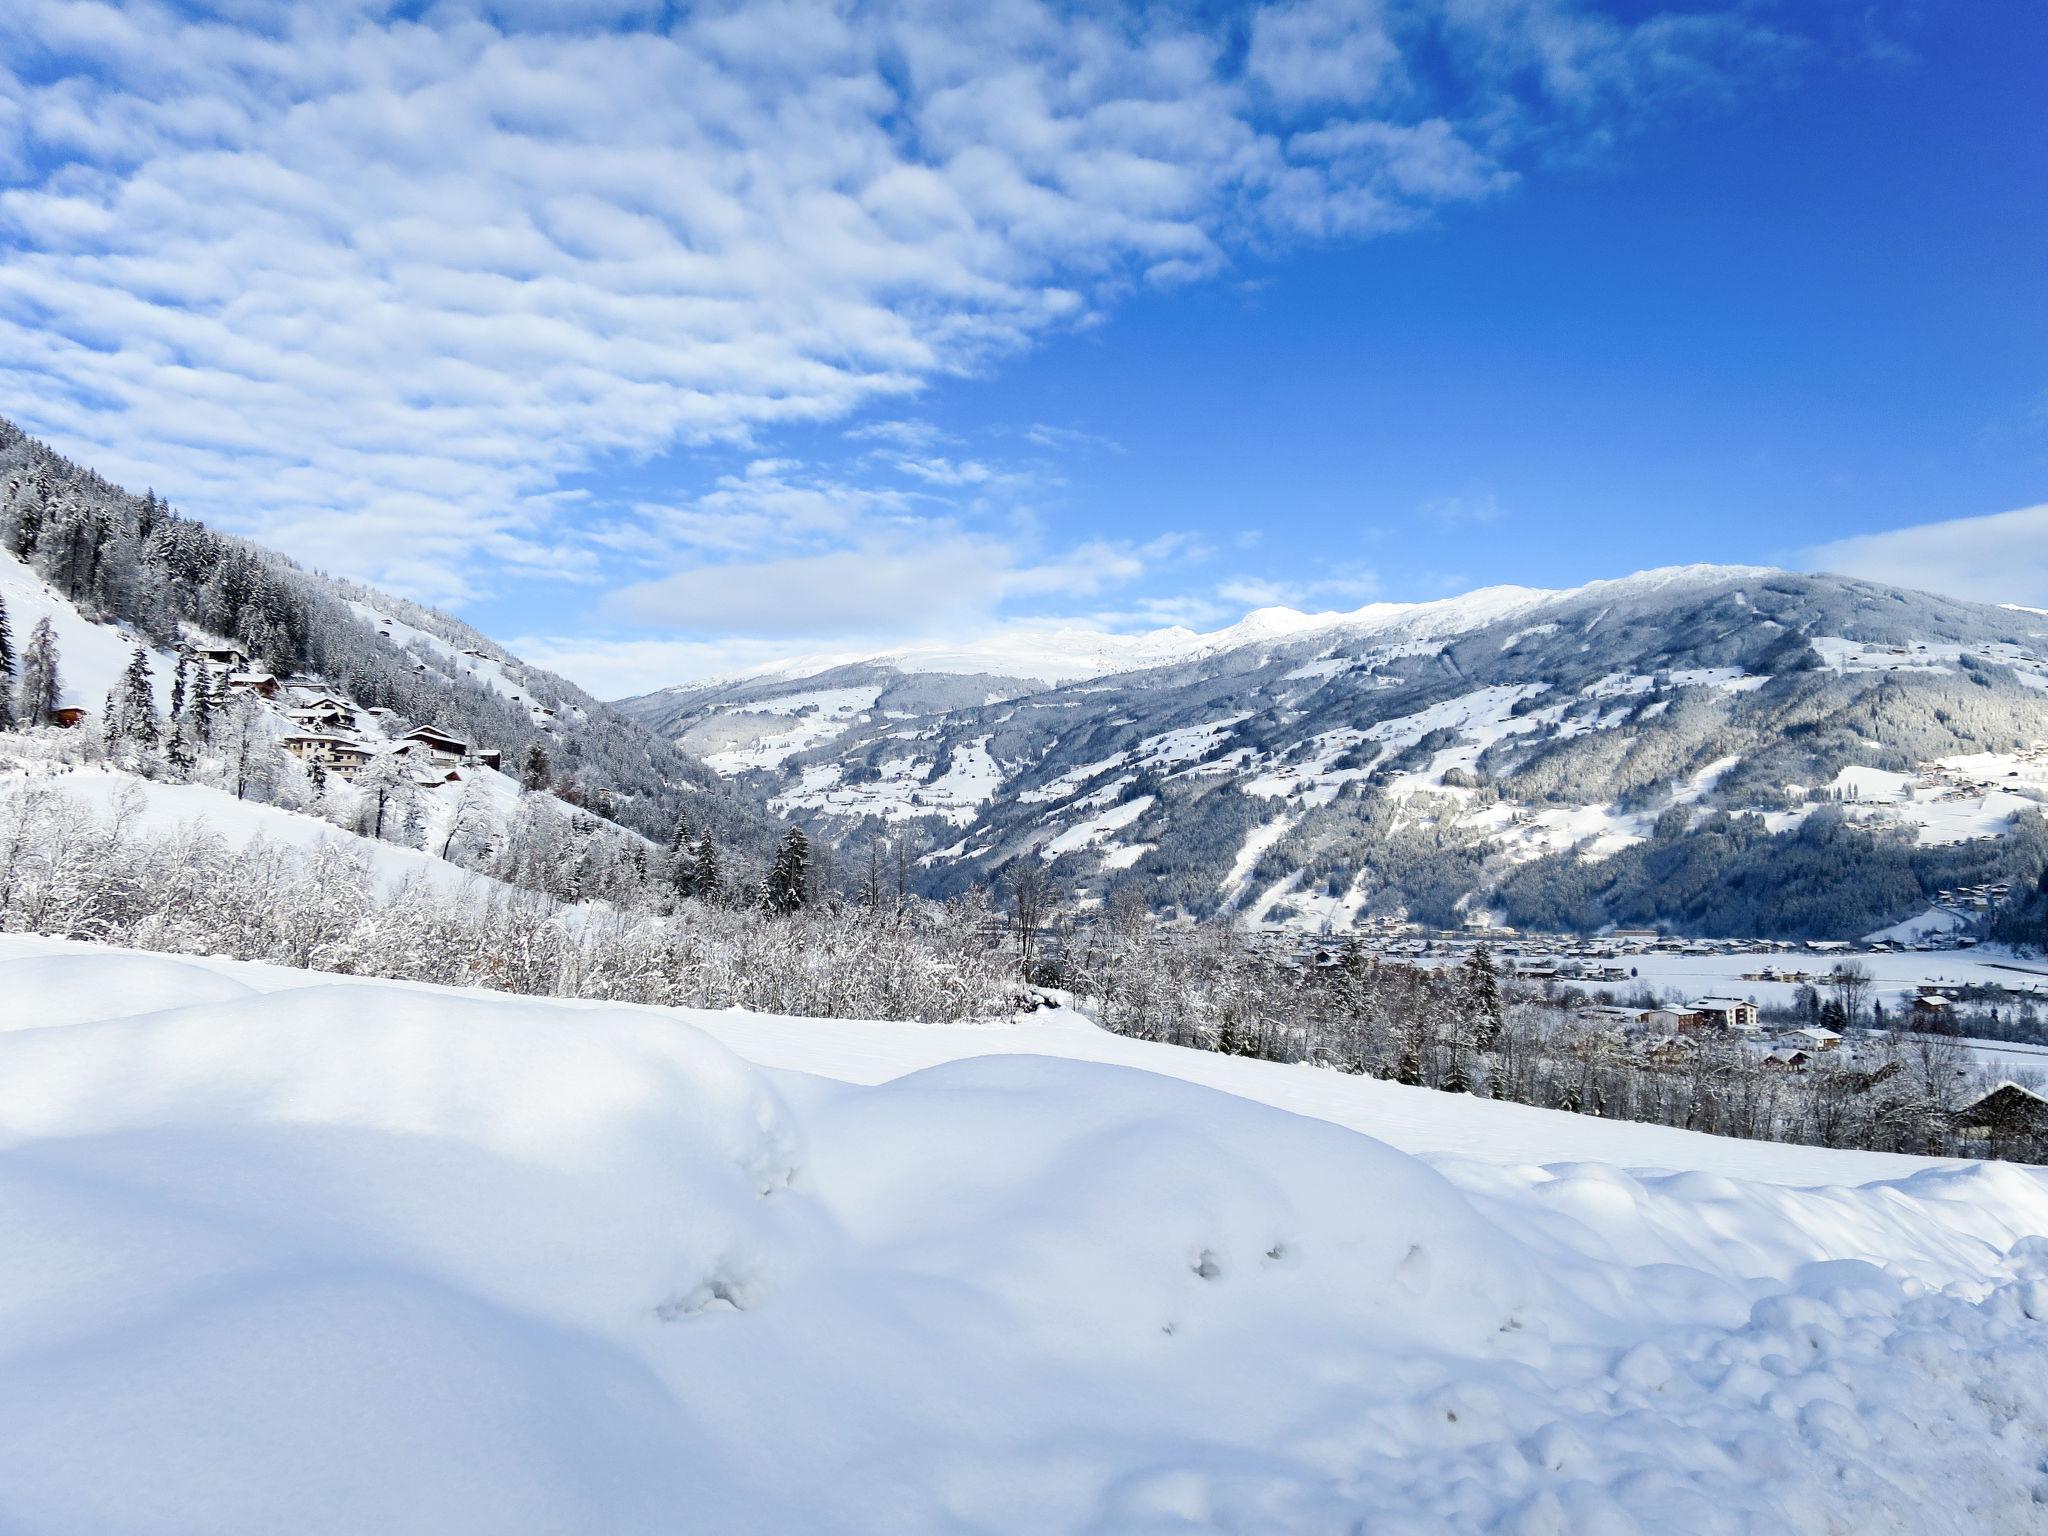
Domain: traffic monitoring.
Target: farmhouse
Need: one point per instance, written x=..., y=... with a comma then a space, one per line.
x=232, y=657
x=2003, y=1112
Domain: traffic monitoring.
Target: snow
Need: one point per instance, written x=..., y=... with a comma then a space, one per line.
x=339, y=1256
x=456, y=662
x=90, y=656
x=904, y=789
x=1254, y=847
x=161, y=808
x=1097, y=828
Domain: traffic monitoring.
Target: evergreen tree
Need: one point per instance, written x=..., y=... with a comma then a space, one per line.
x=133, y=714
x=1482, y=997
x=41, y=683
x=6, y=671
x=538, y=772
x=204, y=703
x=412, y=830
x=682, y=860
x=707, y=877
x=788, y=886
x=180, y=681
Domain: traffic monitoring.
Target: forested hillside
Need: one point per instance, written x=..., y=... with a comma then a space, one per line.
x=133, y=561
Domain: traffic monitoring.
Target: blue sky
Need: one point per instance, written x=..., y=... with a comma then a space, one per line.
x=663, y=342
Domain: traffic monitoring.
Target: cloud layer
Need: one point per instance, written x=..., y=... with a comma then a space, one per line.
x=1999, y=558
x=369, y=280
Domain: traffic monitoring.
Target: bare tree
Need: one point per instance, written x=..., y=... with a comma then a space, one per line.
x=1031, y=897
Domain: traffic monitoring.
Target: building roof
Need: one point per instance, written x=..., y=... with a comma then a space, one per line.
x=428, y=735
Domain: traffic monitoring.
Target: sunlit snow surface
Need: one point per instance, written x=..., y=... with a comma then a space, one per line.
x=293, y=1253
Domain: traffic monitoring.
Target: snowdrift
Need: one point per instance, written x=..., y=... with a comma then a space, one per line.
x=287, y=1253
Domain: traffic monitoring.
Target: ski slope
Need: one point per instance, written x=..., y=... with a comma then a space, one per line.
x=293, y=1252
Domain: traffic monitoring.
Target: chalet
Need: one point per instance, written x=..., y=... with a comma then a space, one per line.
x=1814, y=1038
x=439, y=748
x=2002, y=1113
x=67, y=716
x=1729, y=1013
x=490, y=757
x=337, y=754
x=234, y=658
x=325, y=715
x=1786, y=1059
x=260, y=683
x=1932, y=1008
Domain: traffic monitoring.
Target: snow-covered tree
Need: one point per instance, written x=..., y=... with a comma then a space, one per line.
x=788, y=886
x=6, y=670
x=42, y=687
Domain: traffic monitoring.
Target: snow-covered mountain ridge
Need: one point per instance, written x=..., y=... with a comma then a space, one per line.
x=1548, y=756
x=291, y=1251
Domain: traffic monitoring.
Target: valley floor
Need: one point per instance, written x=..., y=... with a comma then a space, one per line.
x=296, y=1252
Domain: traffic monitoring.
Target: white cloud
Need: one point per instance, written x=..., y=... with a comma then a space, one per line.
x=369, y=281
x=1998, y=558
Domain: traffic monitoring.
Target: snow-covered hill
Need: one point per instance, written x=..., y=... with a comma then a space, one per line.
x=1555, y=758
x=110, y=570
x=292, y=1253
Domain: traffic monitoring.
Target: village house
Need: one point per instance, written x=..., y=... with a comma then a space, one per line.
x=325, y=715
x=1730, y=1013
x=1813, y=1038
x=234, y=658
x=437, y=747
x=261, y=684
x=1678, y=1021
x=2003, y=1113
x=336, y=754
x=1786, y=1059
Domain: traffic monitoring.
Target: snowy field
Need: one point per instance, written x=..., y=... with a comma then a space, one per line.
x=290, y=1252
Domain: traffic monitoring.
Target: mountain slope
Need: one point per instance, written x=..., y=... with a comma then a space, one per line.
x=112, y=569
x=1729, y=749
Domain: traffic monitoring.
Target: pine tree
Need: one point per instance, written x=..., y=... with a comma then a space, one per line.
x=6, y=671
x=180, y=681
x=1482, y=997
x=206, y=703
x=538, y=772
x=135, y=709
x=788, y=886
x=707, y=878
x=412, y=830
x=41, y=682
x=1409, y=1070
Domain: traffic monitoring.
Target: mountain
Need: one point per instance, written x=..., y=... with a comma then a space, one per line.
x=1724, y=750
x=112, y=570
